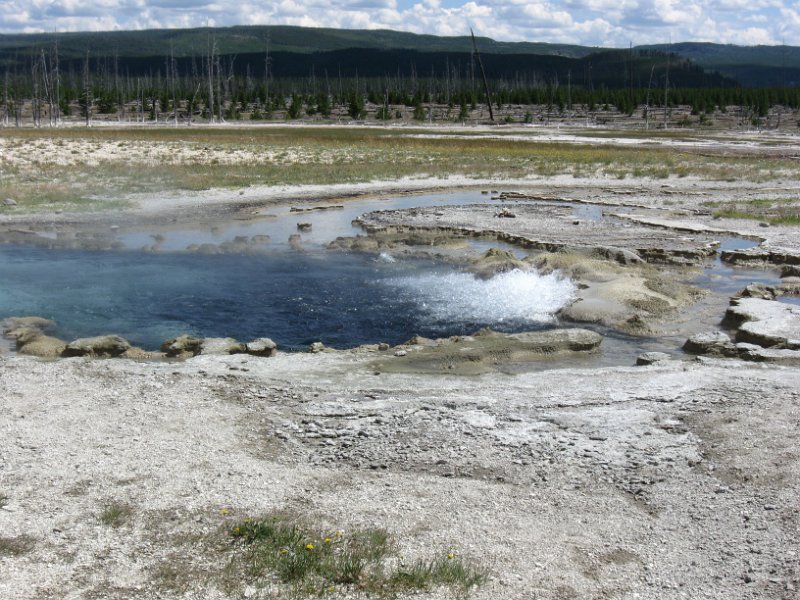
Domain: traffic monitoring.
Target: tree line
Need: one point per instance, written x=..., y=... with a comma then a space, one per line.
x=42, y=89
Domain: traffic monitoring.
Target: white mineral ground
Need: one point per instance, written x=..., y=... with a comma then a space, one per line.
x=677, y=480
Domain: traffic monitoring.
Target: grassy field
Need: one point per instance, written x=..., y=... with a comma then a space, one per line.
x=76, y=168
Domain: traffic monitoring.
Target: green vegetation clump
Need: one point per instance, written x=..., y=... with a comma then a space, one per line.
x=310, y=561
x=790, y=219
x=16, y=546
x=448, y=571
x=775, y=211
x=115, y=515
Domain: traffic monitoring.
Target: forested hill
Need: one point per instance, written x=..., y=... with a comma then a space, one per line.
x=754, y=66
x=247, y=39
x=329, y=54
x=296, y=52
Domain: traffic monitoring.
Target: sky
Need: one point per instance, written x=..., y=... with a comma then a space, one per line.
x=610, y=23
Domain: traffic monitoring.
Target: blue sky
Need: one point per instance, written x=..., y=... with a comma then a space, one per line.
x=587, y=22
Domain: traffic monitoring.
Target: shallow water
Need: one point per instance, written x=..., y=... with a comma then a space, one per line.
x=278, y=223
x=722, y=278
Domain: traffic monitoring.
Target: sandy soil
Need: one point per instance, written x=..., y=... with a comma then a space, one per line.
x=678, y=480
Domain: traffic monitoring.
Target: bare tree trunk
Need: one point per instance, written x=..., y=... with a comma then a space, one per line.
x=87, y=90
x=210, y=78
x=569, y=90
x=220, y=100
x=447, y=81
x=666, y=84
x=17, y=100
x=227, y=94
x=483, y=75
x=48, y=89
x=5, y=100
x=647, y=103
x=174, y=75
x=35, y=84
x=666, y=92
x=57, y=84
x=430, y=96
x=266, y=72
x=191, y=104
x=118, y=96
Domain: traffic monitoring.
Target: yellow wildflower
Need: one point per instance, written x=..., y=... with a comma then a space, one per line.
x=328, y=540
x=450, y=556
x=309, y=546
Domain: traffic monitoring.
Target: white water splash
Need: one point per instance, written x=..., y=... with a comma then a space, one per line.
x=385, y=257
x=515, y=296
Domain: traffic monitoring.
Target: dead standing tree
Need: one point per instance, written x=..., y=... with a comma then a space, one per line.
x=87, y=91
x=172, y=81
x=5, y=100
x=56, y=110
x=212, y=45
x=50, y=79
x=483, y=74
x=35, y=99
x=647, y=102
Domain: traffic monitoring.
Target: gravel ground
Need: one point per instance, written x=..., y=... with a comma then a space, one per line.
x=672, y=481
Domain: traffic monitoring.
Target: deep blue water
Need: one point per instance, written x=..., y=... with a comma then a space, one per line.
x=294, y=298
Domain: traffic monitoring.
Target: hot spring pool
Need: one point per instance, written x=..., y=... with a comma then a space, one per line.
x=295, y=298
x=154, y=289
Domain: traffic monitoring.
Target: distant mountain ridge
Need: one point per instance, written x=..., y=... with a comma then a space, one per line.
x=756, y=66
x=753, y=66
x=243, y=39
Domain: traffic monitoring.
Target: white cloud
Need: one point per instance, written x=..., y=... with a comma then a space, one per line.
x=605, y=9
x=544, y=15
x=588, y=22
x=745, y=5
x=674, y=12
x=791, y=17
x=750, y=36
